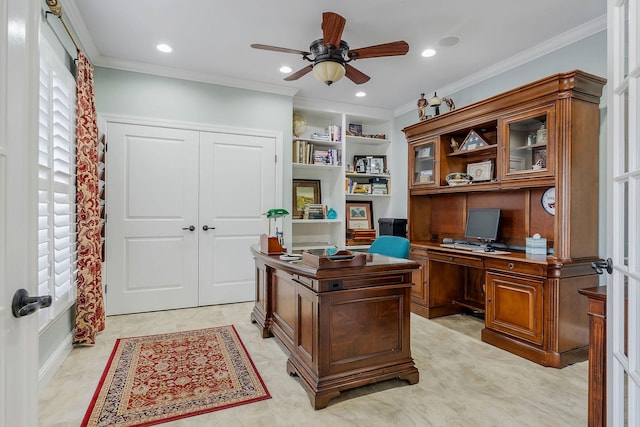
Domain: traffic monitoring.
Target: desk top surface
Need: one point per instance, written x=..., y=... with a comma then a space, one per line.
x=512, y=255
x=375, y=263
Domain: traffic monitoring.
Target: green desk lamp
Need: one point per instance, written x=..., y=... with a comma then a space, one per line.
x=269, y=244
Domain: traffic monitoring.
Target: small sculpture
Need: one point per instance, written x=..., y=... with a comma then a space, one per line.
x=450, y=105
x=454, y=144
x=422, y=104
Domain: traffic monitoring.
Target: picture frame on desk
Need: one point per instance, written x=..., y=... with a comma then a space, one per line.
x=360, y=215
x=305, y=192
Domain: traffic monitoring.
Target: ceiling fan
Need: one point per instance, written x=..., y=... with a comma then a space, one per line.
x=331, y=54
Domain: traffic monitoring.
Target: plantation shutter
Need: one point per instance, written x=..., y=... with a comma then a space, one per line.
x=57, y=253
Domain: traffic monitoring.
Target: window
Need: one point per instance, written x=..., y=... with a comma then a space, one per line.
x=57, y=253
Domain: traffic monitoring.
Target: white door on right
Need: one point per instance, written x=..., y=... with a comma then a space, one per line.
x=623, y=286
x=237, y=186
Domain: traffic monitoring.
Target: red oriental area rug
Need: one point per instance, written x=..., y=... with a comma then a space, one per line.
x=158, y=378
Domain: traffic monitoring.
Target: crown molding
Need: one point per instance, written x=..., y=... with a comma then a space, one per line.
x=72, y=14
x=569, y=37
x=141, y=67
x=342, y=108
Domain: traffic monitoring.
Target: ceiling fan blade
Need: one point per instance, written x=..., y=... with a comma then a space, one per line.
x=386, y=49
x=279, y=49
x=299, y=73
x=356, y=76
x=332, y=27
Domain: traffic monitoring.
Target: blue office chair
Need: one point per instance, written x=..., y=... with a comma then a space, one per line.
x=394, y=246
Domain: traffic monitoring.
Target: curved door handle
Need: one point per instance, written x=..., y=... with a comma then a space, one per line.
x=23, y=305
x=206, y=227
x=190, y=228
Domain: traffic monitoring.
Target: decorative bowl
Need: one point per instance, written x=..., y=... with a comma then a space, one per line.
x=458, y=178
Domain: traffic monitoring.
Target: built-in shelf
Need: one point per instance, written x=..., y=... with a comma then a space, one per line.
x=314, y=167
x=316, y=221
x=366, y=195
x=367, y=175
x=366, y=140
x=486, y=149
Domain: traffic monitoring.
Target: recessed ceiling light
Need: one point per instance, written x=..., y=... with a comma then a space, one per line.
x=449, y=41
x=285, y=69
x=428, y=53
x=164, y=48
x=361, y=94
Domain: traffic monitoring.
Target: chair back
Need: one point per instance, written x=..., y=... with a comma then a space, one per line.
x=394, y=246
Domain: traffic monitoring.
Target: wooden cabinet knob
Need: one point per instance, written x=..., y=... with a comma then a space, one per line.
x=510, y=265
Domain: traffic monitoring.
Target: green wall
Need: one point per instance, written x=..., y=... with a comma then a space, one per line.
x=156, y=97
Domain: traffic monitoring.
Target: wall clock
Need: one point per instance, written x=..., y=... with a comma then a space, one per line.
x=549, y=200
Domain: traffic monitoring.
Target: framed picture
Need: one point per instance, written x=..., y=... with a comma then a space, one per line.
x=371, y=163
x=305, y=191
x=355, y=129
x=481, y=171
x=360, y=215
x=539, y=160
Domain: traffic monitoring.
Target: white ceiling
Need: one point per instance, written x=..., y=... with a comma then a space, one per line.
x=211, y=40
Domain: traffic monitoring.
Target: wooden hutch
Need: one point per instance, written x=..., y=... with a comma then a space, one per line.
x=524, y=145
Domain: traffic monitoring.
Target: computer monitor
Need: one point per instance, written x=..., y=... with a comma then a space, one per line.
x=482, y=224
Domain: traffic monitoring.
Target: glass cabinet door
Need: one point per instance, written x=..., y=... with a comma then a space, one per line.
x=528, y=140
x=423, y=161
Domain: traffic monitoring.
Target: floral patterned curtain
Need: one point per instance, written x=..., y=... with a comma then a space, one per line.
x=90, y=316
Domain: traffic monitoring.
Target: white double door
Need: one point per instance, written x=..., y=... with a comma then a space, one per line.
x=183, y=208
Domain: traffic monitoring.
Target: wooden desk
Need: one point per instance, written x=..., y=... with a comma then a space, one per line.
x=342, y=327
x=531, y=303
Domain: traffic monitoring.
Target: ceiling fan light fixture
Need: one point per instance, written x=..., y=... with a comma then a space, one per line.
x=328, y=72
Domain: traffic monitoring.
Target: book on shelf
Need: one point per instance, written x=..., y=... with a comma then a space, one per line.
x=315, y=211
x=305, y=152
x=354, y=187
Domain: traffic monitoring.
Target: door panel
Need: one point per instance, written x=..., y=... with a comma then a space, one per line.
x=19, y=23
x=152, y=195
x=623, y=212
x=237, y=186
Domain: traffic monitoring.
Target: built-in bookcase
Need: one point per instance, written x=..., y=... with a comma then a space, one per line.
x=327, y=152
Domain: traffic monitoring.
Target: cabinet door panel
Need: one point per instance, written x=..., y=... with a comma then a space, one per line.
x=528, y=144
x=515, y=306
x=420, y=279
x=422, y=163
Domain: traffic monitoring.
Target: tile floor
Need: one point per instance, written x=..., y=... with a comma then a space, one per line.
x=463, y=381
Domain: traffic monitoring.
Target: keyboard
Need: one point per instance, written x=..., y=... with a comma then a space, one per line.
x=463, y=246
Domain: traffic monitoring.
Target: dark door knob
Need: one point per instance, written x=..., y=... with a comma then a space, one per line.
x=206, y=227
x=23, y=304
x=607, y=264
x=190, y=228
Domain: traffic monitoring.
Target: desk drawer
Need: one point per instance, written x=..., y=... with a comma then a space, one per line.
x=516, y=267
x=465, y=260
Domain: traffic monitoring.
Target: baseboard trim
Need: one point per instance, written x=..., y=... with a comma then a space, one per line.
x=53, y=363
